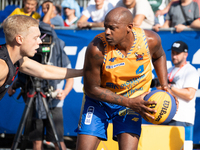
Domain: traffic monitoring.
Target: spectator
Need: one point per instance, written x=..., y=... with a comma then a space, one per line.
x=141, y=10
x=113, y=2
x=51, y=15
x=186, y=80
x=97, y=12
x=71, y=11
x=162, y=11
x=182, y=14
x=158, y=5
x=28, y=9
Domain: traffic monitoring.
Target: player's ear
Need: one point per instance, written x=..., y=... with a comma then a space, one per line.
x=19, y=39
x=129, y=27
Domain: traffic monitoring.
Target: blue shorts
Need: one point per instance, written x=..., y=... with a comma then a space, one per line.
x=96, y=115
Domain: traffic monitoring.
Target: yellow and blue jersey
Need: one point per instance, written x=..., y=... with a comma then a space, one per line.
x=128, y=75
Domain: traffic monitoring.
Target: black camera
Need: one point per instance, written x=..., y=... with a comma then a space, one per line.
x=155, y=82
x=43, y=52
x=45, y=47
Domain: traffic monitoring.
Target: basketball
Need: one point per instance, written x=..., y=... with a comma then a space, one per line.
x=166, y=106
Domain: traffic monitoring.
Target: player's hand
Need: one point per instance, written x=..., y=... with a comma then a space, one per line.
x=139, y=105
x=11, y=91
x=167, y=88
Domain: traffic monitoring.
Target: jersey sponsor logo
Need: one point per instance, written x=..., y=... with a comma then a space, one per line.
x=112, y=59
x=116, y=65
x=132, y=91
x=128, y=84
x=132, y=82
x=89, y=115
x=139, y=56
x=112, y=85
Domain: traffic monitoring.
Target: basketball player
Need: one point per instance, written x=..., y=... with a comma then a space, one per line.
x=22, y=36
x=117, y=75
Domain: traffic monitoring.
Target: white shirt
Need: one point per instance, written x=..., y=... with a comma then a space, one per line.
x=113, y=2
x=97, y=15
x=186, y=77
x=141, y=7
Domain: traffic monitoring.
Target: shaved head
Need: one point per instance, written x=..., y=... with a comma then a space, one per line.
x=120, y=15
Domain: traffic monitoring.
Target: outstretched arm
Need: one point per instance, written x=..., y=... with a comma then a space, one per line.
x=33, y=68
x=92, y=82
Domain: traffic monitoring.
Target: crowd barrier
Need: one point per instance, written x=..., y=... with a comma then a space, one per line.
x=76, y=43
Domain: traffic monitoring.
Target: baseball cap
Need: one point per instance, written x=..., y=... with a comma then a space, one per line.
x=179, y=46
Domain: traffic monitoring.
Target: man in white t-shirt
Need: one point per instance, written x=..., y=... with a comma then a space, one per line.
x=113, y=2
x=96, y=12
x=141, y=10
x=186, y=80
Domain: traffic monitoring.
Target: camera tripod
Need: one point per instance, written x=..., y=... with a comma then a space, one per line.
x=35, y=90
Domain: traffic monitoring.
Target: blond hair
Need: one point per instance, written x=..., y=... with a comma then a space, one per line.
x=17, y=24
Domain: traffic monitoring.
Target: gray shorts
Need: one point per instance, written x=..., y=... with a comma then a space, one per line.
x=41, y=127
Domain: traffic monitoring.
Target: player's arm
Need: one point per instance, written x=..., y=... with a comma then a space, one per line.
x=92, y=82
x=158, y=57
x=159, y=60
x=4, y=72
x=33, y=68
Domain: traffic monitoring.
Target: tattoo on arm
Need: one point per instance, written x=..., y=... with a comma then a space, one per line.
x=111, y=97
x=97, y=57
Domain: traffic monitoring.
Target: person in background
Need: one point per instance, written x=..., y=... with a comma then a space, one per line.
x=51, y=15
x=186, y=79
x=97, y=12
x=71, y=12
x=142, y=12
x=28, y=9
x=157, y=5
x=113, y=2
x=182, y=14
x=162, y=10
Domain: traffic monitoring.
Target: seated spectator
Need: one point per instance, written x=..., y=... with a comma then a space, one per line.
x=182, y=14
x=71, y=11
x=97, y=12
x=141, y=10
x=28, y=9
x=51, y=15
